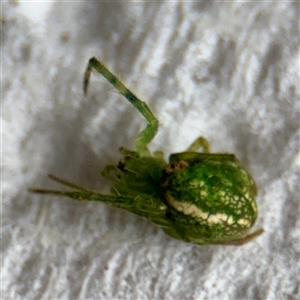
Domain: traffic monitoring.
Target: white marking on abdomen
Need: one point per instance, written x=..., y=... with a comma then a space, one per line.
x=195, y=212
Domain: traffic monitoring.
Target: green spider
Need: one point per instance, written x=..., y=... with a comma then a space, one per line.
x=200, y=198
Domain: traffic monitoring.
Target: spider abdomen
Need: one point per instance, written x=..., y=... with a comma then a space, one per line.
x=210, y=199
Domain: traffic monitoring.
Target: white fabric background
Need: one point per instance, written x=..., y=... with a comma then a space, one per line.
x=226, y=71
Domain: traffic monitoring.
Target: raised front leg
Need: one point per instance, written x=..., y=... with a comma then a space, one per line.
x=145, y=137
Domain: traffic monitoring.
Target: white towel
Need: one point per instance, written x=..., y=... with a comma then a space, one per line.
x=227, y=71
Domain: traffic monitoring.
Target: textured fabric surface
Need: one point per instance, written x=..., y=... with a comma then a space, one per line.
x=226, y=71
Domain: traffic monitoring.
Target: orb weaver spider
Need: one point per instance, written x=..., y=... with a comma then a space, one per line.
x=200, y=198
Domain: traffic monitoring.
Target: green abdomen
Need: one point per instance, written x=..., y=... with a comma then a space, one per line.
x=211, y=201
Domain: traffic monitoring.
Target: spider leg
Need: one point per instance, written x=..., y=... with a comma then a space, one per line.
x=138, y=205
x=82, y=194
x=200, y=142
x=243, y=240
x=150, y=131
